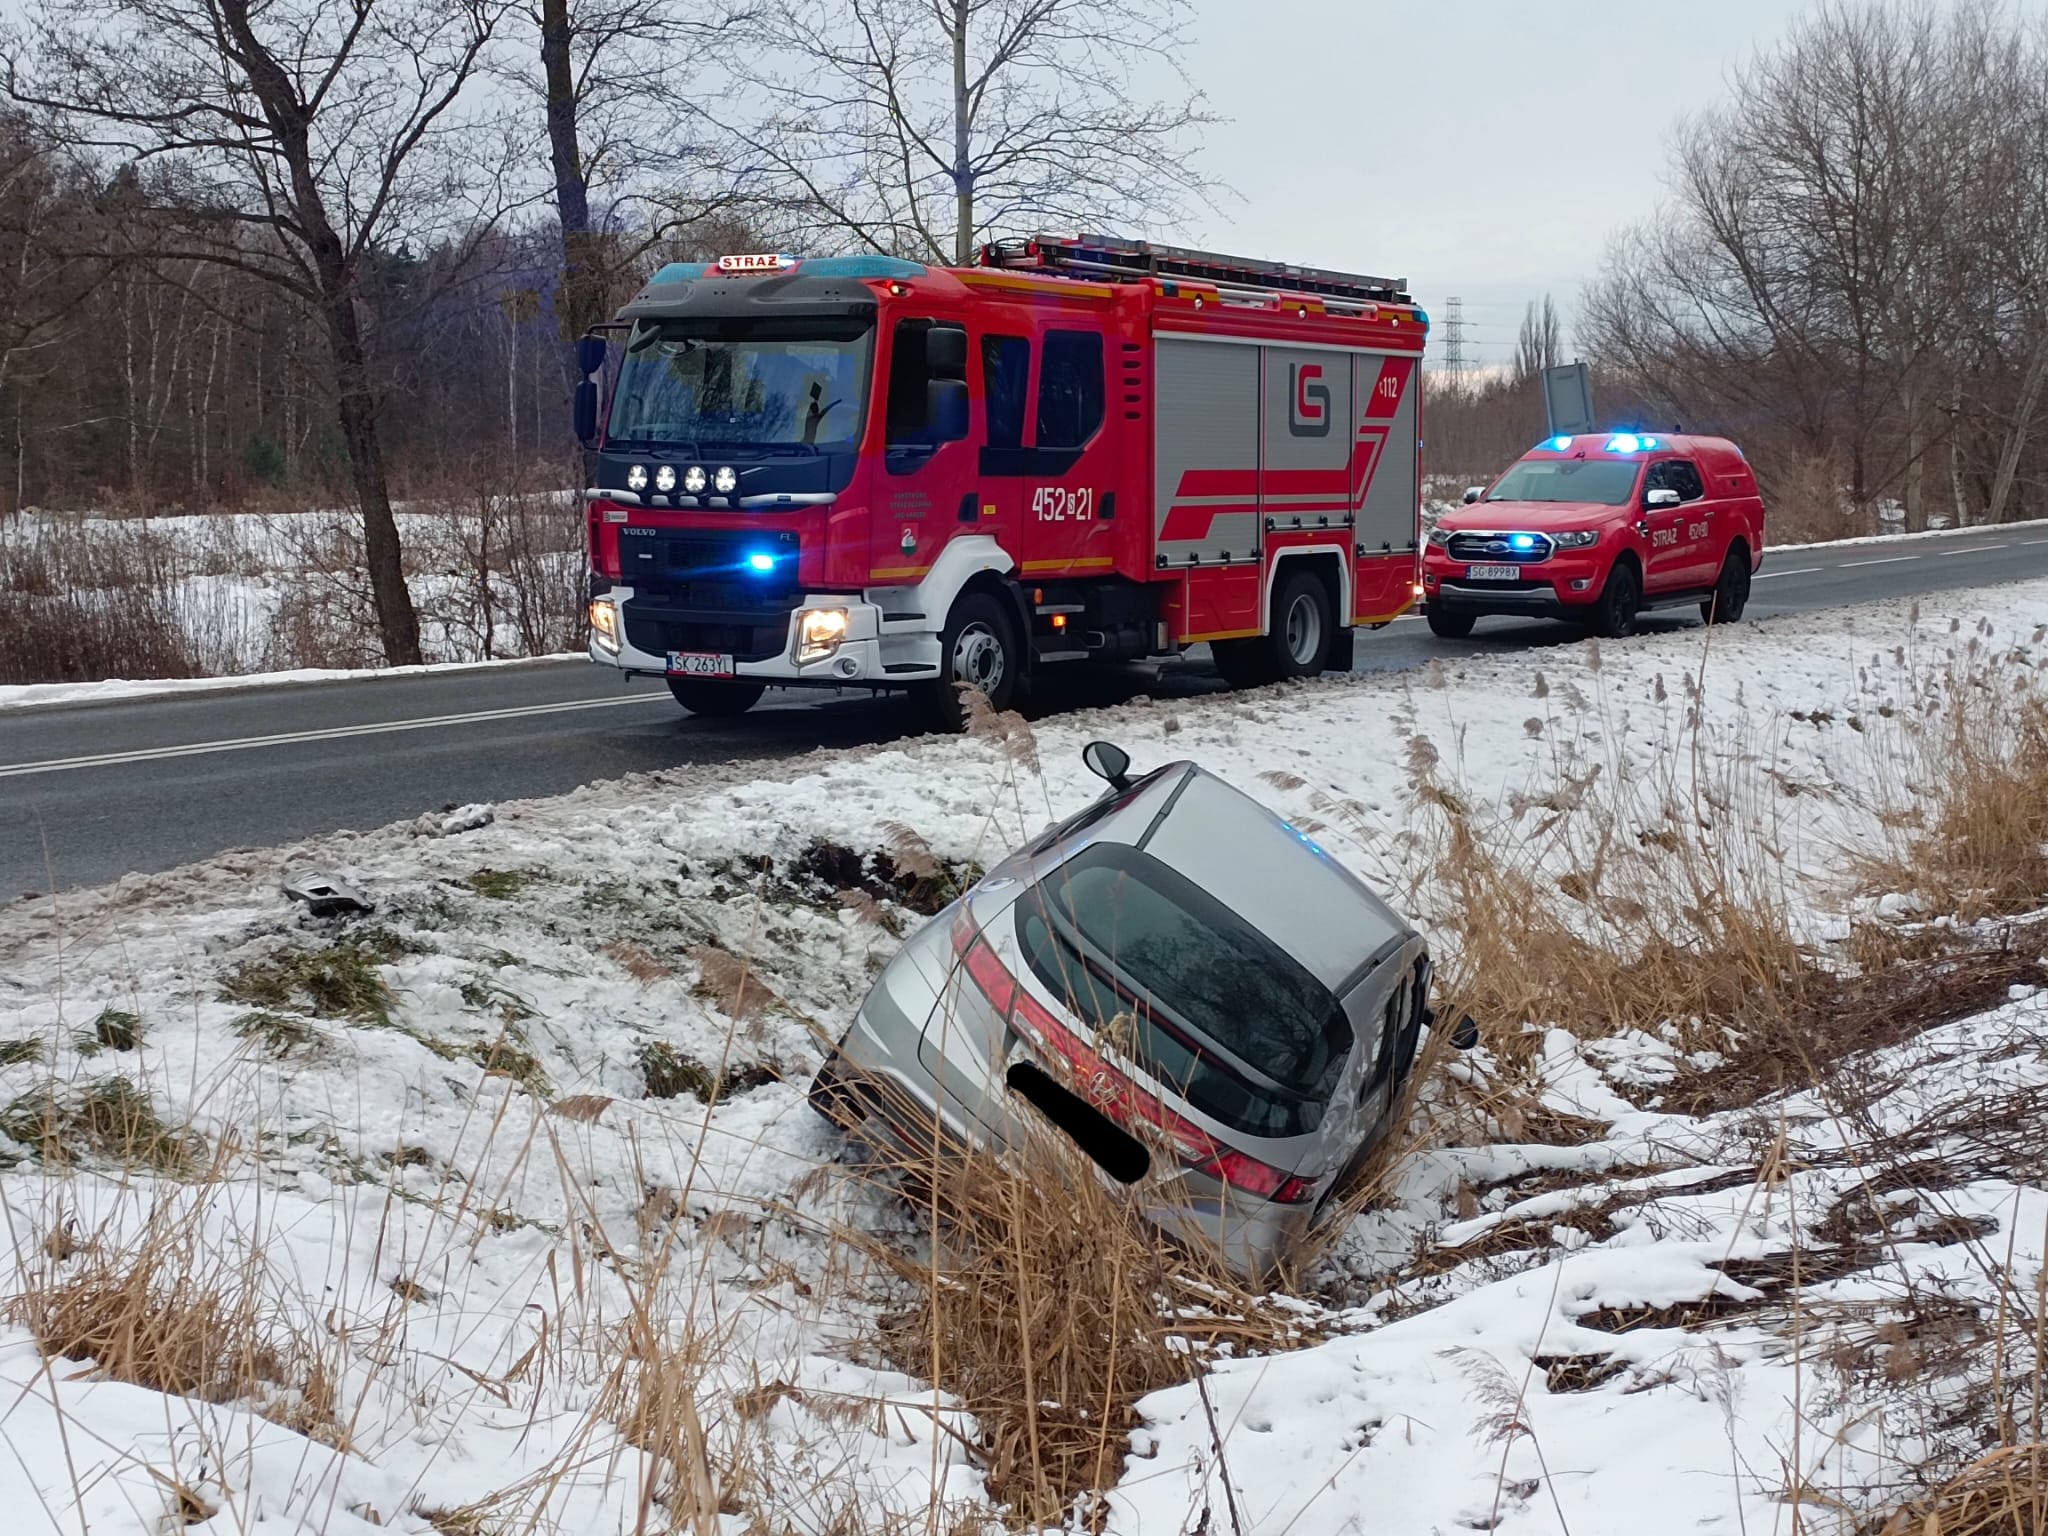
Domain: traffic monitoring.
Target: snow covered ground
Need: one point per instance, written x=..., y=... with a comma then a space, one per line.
x=459, y=1159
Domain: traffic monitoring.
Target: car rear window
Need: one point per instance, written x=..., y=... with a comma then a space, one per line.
x=1605, y=482
x=1212, y=1004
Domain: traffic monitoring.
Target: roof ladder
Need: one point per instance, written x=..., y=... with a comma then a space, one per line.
x=1108, y=258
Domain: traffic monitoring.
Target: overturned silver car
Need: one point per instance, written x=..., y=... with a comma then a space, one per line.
x=1218, y=1013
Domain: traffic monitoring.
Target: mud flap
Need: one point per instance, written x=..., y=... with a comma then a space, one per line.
x=1342, y=645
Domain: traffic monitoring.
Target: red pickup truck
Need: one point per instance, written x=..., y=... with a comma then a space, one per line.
x=1597, y=529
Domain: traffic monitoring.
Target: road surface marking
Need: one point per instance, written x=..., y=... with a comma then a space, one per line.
x=329, y=733
x=1804, y=570
x=1974, y=549
x=2034, y=541
x=1850, y=565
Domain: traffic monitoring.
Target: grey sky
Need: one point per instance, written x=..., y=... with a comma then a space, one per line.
x=1485, y=148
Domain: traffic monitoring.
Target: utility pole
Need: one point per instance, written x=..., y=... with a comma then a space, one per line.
x=1452, y=329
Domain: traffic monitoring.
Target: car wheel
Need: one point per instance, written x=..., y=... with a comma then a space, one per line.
x=978, y=651
x=718, y=701
x=1450, y=626
x=1731, y=592
x=1620, y=600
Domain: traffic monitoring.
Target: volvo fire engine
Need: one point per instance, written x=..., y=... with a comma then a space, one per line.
x=859, y=471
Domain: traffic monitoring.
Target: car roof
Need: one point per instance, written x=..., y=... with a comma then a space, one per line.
x=1273, y=876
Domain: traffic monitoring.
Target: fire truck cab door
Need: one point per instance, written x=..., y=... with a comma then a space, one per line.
x=928, y=458
x=1049, y=461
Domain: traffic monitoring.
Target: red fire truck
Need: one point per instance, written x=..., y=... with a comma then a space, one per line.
x=859, y=471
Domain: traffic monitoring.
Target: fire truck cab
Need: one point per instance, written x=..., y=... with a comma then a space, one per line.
x=861, y=471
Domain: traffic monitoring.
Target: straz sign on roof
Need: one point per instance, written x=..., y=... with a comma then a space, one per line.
x=740, y=266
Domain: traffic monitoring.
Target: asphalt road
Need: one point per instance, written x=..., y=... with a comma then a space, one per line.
x=89, y=792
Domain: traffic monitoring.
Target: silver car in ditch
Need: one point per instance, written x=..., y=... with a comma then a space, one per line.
x=1217, y=1012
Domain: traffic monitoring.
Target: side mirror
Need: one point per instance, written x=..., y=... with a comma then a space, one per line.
x=1473, y=493
x=589, y=355
x=945, y=352
x=1464, y=1033
x=945, y=410
x=586, y=411
x=1663, y=496
x=1108, y=762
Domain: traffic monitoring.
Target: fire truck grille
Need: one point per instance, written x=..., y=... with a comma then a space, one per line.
x=1499, y=548
x=700, y=591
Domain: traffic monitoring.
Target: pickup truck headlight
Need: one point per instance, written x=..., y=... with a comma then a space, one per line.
x=818, y=633
x=1578, y=538
x=1439, y=537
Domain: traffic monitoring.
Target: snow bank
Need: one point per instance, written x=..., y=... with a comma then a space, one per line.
x=439, y=1127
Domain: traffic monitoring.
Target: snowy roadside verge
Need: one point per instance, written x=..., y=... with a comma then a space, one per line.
x=466, y=1136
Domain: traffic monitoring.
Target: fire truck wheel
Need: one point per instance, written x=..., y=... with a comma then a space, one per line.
x=1302, y=627
x=1731, y=592
x=1620, y=600
x=700, y=696
x=978, y=649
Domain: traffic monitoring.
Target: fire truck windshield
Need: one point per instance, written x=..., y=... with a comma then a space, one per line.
x=780, y=382
x=1604, y=482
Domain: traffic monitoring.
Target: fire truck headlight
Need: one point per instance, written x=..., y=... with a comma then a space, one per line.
x=665, y=478
x=693, y=479
x=636, y=478
x=1577, y=538
x=818, y=633
x=604, y=624
x=725, y=482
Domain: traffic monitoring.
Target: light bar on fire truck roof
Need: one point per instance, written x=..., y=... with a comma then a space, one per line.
x=1109, y=257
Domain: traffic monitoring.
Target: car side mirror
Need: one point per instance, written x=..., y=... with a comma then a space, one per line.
x=1473, y=493
x=945, y=409
x=1464, y=1033
x=586, y=411
x=1108, y=762
x=1663, y=496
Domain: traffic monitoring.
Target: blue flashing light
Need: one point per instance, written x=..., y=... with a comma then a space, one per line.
x=863, y=267
x=760, y=564
x=681, y=272
x=1650, y=442
x=1624, y=442
x=1522, y=541
x=1559, y=444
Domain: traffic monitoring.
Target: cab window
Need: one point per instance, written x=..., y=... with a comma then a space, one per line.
x=1070, y=389
x=1679, y=475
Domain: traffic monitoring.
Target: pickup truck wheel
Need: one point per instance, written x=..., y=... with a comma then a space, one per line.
x=1731, y=592
x=1620, y=600
x=978, y=651
x=1450, y=626
x=715, y=700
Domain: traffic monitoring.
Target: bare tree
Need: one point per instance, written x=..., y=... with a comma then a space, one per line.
x=619, y=131
x=917, y=127
x=306, y=134
x=1541, y=342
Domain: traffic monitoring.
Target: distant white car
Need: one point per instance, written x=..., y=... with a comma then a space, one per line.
x=1267, y=1009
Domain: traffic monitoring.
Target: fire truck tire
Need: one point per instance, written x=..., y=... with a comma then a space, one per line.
x=1303, y=627
x=1449, y=625
x=977, y=648
x=1731, y=592
x=718, y=701
x=1620, y=601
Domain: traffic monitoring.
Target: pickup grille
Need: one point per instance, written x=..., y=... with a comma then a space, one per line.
x=1495, y=548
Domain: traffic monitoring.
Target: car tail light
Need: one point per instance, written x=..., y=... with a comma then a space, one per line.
x=1126, y=1101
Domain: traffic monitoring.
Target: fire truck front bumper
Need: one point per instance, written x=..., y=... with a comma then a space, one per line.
x=824, y=641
